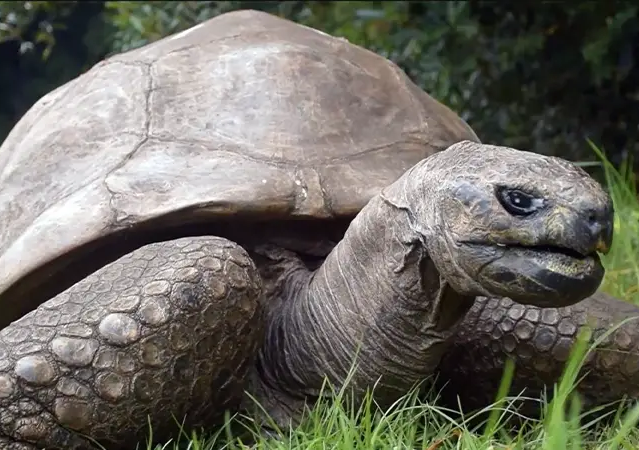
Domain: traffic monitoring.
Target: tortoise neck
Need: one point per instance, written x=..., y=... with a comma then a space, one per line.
x=377, y=302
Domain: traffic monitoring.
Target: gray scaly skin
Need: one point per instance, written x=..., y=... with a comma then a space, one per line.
x=540, y=341
x=184, y=320
x=144, y=335
x=411, y=263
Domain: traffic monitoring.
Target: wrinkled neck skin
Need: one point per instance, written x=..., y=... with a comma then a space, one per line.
x=376, y=304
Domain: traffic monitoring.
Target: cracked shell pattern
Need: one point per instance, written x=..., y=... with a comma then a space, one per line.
x=539, y=340
x=169, y=329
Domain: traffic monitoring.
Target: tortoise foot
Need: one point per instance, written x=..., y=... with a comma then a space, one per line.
x=539, y=341
x=163, y=336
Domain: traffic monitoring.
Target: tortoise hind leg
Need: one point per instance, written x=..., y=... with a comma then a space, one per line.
x=167, y=332
x=539, y=341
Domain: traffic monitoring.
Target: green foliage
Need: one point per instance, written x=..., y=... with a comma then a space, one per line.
x=42, y=45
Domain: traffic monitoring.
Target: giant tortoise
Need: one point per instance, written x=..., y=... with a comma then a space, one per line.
x=253, y=206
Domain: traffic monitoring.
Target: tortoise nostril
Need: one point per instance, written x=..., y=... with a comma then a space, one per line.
x=598, y=228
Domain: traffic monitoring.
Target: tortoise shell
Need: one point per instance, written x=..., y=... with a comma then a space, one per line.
x=246, y=115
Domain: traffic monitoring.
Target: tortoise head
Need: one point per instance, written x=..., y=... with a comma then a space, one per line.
x=503, y=222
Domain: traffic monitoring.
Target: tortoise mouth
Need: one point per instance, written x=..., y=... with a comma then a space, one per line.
x=547, y=249
x=532, y=250
x=543, y=275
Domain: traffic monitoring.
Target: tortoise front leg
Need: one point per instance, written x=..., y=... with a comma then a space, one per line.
x=539, y=341
x=167, y=332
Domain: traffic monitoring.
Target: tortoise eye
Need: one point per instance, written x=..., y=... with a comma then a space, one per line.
x=518, y=202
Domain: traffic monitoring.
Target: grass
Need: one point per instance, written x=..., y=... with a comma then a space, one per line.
x=417, y=424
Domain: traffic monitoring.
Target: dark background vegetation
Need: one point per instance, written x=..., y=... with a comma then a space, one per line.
x=543, y=76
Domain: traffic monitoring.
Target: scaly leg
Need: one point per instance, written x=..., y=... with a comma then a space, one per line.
x=539, y=341
x=166, y=333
